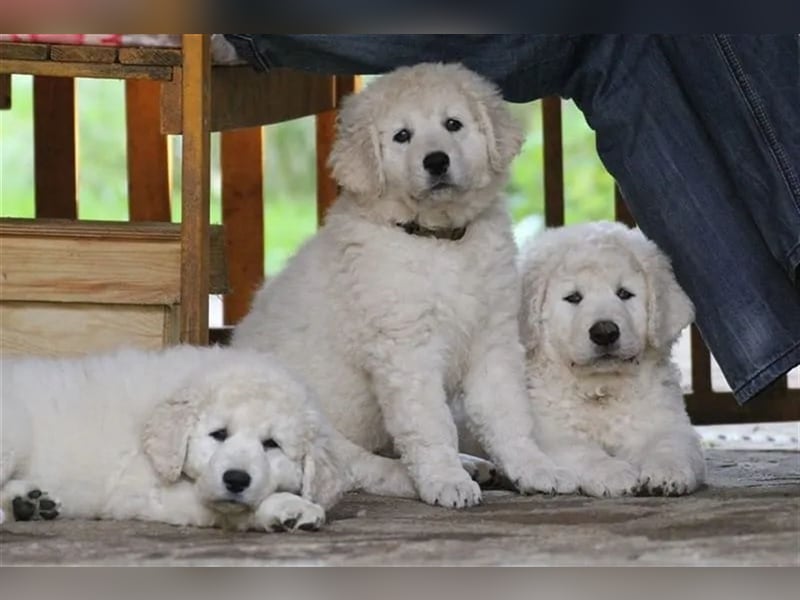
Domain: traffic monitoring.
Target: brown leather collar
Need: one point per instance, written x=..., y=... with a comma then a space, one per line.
x=414, y=228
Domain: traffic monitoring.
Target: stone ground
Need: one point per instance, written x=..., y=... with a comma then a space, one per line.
x=749, y=514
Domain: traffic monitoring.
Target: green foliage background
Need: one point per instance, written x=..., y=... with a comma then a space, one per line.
x=290, y=174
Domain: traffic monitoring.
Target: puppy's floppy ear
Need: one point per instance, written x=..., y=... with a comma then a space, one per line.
x=535, y=264
x=323, y=477
x=165, y=437
x=503, y=133
x=355, y=158
x=669, y=309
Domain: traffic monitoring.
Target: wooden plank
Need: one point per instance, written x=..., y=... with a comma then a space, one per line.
x=80, y=69
x=48, y=329
x=716, y=408
x=39, y=232
x=243, y=217
x=85, y=270
x=84, y=54
x=701, y=364
x=5, y=92
x=242, y=97
x=195, y=118
x=147, y=152
x=54, y=147
x=621, y=212
x=327, y=189
x=553, y=162
x=170, y=57
x=23, y=51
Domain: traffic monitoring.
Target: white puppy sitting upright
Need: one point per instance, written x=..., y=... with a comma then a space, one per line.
x=187, y=436
x=408, y=295
x=601, y=311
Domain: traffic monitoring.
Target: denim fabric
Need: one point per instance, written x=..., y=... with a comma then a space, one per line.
x=702, y=132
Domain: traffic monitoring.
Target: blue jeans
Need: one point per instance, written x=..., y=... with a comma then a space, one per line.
x=702, y=133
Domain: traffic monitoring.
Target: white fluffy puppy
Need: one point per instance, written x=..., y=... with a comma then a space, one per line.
x=188, y=436
x=409, y=293
x=601, y=311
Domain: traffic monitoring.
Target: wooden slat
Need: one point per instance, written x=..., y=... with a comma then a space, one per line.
x=50, y=329
x=5, y=92
x=84, y=54
x=621, y=212
x=83, y=270
x=553, y=162
x=195, y=111
x=54, y=147
x=716, y=408
x=701, y=364
x=148, y=156
x=170, y=57
x=80, y=69
x=242, y=97
x=23, y=51
x=327, y=189
x=242, y=217
x=40, y=232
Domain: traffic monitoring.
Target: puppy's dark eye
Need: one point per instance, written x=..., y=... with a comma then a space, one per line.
x=402, y=136
x=453, y=125
x=219, y=434
x=574, y=298
x=270, y=443
x=624, y=294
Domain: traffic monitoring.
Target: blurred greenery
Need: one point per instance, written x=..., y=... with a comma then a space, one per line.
x=290, y=172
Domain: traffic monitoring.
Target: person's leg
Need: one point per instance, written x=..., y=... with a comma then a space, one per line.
x=524, y=66
x=701, y=133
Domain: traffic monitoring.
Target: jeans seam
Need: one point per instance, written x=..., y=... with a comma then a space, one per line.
x=262, y=60
x=756, y=108
x=763, y=369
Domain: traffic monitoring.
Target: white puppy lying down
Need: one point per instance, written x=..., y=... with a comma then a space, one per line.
x=408, y=295
x=601, y=311
x=188, y=436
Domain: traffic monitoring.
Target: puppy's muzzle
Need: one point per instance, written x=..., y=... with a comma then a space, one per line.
x=604, y=333
x=236, y=481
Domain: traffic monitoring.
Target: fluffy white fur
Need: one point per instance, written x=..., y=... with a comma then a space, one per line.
x=614, y=414
x=387, y=326
x=126, y=435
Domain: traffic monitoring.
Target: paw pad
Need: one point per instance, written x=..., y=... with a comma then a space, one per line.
x=34, y=506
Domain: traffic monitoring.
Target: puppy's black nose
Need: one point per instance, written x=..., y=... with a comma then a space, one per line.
x=235, y=480
x=436, y=163
x=604, y=333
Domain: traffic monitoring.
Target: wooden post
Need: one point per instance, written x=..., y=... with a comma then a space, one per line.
x=195, y=101
x=701, y=365
x=54, y=147
x=621, y=212
x=326, y=132
x=5, y=91
x=148, y=155
x=243, y=217
x=553, y=162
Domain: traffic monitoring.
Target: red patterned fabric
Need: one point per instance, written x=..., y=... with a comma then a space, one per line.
x=89, y=39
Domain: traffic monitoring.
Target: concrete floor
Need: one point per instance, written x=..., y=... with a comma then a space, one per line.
x=748, y=515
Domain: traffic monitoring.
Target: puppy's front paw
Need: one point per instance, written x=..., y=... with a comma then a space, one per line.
x=665, y=476
x=539, y=474
x=26, y=502
x=455, y=490
x=608, y=478
x=287, y=512
x=482, y=471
